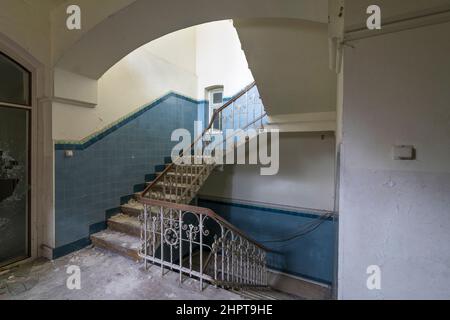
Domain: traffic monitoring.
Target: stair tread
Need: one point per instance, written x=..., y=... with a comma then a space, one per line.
x=125, y=219
x=133, y=205
x=167, y=196
x=134, y=208
x=161, y=183
x=118, y=239
x=126, y=224
x=171, y=173
x=267, y=294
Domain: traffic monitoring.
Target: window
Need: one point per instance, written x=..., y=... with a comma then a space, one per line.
x=215, y=98
x=14, y=82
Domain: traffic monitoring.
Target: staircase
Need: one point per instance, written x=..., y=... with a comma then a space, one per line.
x=123, y=235
x=159, y=226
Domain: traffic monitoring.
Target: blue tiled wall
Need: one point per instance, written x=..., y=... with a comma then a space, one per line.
x=310, y=256
x=106, y=168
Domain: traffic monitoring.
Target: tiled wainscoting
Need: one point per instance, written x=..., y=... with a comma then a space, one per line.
x=310, y=257
x=109, y=167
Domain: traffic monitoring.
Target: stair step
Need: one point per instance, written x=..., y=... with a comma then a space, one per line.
x=167, y=197
x=181, y=178
x=265, y=294
x=126, y=224
x=191, y=164
x=173, y=173
x=162, y=183
x=252, y=295
x=117, y=242
x=133, y=209
x=170, y=187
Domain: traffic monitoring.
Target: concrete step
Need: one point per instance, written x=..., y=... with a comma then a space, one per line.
x=170, y=187
x=132, y=208
x=167, y=197
x=191, y=164
x=265, y=294
x=126, y=224
x=173, y=174
x=157, y=195
x=117, y=242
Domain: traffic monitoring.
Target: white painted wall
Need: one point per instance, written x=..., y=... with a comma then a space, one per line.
x=148, y=73
x=396, y=214
x=27, y=23
x=305, y=179
x=220, y=59
x=132, y=23
x=186, y=61
x=74, y=88
x=355, y=10
x=290, y=60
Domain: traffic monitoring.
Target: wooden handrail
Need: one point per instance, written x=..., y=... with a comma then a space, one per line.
x=203, y=211
x=215, y=115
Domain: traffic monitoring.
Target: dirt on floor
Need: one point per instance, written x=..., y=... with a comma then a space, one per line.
x=103, y=276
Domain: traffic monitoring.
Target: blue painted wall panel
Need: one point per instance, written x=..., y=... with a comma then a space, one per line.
x=310, y=256
x=95, y=179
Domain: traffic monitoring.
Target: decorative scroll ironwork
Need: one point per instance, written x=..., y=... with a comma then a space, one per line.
x=195, y=241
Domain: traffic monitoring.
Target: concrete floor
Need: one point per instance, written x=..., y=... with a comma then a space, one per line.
x=104, y=276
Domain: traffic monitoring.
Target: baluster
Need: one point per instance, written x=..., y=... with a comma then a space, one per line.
x=227, y=253
x=170, y=246
x=246, y=108
x=232, y=258
x=162, y=240
x=154, y=236
x=180, y=225
x=254, y=267
x=262, y=112
x=248, y=265
x=241, y=260
x=259, y=268
x=165, y=182
x=223, y=252
x=215, y=248
x=201, y=252
x=190, y=249
x=254, y=114
x=233, y=115
x=145, y=238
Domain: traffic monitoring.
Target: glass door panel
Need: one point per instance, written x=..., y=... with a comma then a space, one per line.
x=14, y=184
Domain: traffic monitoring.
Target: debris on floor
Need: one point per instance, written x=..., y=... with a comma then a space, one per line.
x=103, y=276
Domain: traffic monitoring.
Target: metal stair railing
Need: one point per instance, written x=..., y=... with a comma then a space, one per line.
x=195, y=236
x=233, y=114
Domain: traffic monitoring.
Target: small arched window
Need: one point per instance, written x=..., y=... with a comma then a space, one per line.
x=15, y=82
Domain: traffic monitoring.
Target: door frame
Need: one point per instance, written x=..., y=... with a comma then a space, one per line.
x=36, y=144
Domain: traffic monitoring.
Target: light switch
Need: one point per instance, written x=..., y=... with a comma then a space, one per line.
x=68, y=153
x=404, y=153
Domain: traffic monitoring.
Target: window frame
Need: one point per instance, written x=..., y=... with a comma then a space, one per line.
x=214, y=106
x=29, y=89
